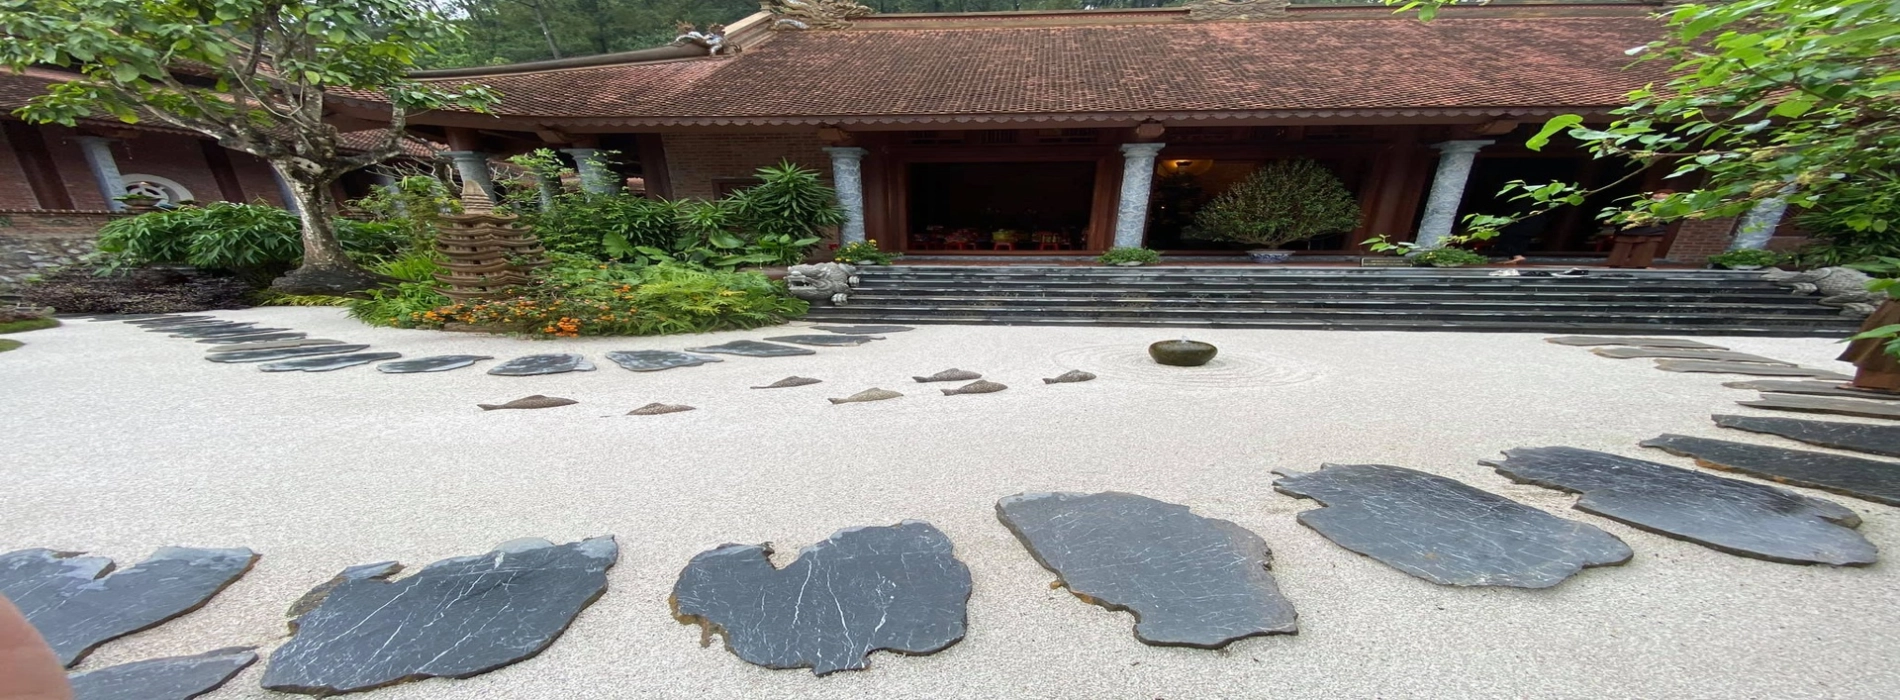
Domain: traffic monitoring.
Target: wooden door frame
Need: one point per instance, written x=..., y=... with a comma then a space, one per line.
x=888, y=176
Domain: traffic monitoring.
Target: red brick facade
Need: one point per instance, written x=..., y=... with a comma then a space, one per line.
x=1696, y=240
x=699, y=163
x=175, y=157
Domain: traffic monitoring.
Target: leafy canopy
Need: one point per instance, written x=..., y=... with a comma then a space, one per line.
x=1283, y=202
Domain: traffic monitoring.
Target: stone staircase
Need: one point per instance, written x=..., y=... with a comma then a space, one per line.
x=1677, y=302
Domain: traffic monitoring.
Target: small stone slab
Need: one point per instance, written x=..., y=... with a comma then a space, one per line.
x=329, y=363
x=154, y=321
x=1190, y=581
x=1714, y=355
x=455, y=618
x=899, y=588
x=1786, y=386
x=1070, y=377
x=77, y=606
x=283, y=353
x=1729, y=515
x=1445, y=531
x=259, y=338
x=863, y=330
x=872, y=394
x=753, y=348
x=273, y=345
x=791, y=381
x=535, y=401
x=980, y=386
x=655, y=409
x=1817, y=404
x=950, y=375
x=825, y=340
x=435, y=363
x=1716, y=367
x=1860, y=437
x=1865, y=479
x=190, y=330
x=170, y=678
x=656, y=360
x=226, y=332
x=530, y=365
x=1586, y=340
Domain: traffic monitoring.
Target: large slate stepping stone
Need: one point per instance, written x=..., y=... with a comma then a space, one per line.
x=1587, y=340
x=1719, y=367
x=283, y=353
x=179, y=330
x=1714, y=355
x=1786, y=386
x=656, y=360
x=899, y=588
x=1445, y=531
x=1865, y=479
x=1190, y=581
x=863, y=330
x=1729, y=515
x=455, y=618
x=226, y=332
x=437, y=363
x=272, y=344
x=154, y=321
x=530, y=365
x=248, y=339
x=1817, y=404
x=1860, y=437
x=77, y=605
x=825, y=340
x=329, y=363
x=170, y=678
x=753, y=348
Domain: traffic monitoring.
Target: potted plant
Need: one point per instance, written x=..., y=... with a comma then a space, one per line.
x=1448, y=257
x=862, y=253
x=1283, y=202
x=138, y=202
x=1745, y=259
x=1129, y=257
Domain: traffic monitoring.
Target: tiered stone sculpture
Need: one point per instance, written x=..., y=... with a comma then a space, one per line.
x=483, y=251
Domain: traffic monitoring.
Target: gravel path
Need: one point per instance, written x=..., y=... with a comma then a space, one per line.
x=119, y=442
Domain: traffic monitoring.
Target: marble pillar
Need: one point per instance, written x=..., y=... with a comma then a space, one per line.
x=105, y=169
x=1131, y=213
x=473, y=165
x=284, y=191
x=595, y=176
x=1448, y=190
x=847, y=177
x=1758, y=225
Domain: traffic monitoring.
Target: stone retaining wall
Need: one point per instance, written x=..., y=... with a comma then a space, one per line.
x=33, y=242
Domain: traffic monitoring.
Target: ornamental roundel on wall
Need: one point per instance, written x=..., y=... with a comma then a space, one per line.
x=167, y=190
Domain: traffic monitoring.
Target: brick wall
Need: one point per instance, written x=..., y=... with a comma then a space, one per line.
x=32, y=242
x=1696, y=240
x=15, y=193
x=696, y=162
x=70, y=161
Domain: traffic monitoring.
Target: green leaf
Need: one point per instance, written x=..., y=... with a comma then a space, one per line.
x=1551, y=128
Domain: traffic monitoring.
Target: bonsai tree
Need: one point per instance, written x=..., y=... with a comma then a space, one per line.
x=253, y=74
x=1284, y=202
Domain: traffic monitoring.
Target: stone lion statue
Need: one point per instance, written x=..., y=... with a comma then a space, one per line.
x=822, y=282
x=1838, y=286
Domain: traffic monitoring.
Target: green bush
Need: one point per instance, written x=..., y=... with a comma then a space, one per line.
x=1283, y=202
x=605, y=226
x=1744, y=258
x=1852, y=225
x=402, y=304
x=862, y=253
x=252, y=240
x=1116, y=256
x=1448, y=257
x=783, y=215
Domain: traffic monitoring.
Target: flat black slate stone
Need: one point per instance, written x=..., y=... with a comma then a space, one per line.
x=192, y=330
x=1631, y=341
x=226, y=332
x=1816, y=404
x=1720, y=367
x=753, y=348
x=1681, y=354
x=656, y=360
x=1190, y=581
x=897, y=587
x=258, y=338
x=863, y=330
x=169, y=678
x=151, y=320
x=825, y=340
x=329, y=363
x=531, y=365
x=1860, y=437
x=455, y=618
x=77, y=608
x=1729, y=515
x=1445, y=531
x=437, y=363
x=282, y=353
x=1788, y=386
x=1865, y=479
x=271, y=345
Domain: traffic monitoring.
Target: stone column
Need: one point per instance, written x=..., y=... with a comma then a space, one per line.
x=594, y=178
x=388, y=183
x=1758, y=225
x=105, y=169
x=1131, y=213
x=847, y=177
x=1448, y=189
x=473, y=165
x=285, y=193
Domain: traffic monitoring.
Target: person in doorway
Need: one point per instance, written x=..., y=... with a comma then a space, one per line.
x=28, y=668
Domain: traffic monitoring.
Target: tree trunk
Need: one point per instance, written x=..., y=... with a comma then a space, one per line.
x=326, y=268
x=541, y=18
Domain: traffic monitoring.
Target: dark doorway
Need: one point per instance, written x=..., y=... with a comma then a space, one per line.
x=1001, y=206
x=1567, y=229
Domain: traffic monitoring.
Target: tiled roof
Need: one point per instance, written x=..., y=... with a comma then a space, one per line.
x=1353, y=64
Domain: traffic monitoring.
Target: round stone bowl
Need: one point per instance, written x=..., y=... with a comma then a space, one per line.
x=1182, y=353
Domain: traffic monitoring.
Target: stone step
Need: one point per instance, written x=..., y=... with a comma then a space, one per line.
x=1401, y=324
x=1633, y=304
x=1833, y=325
x=1199, y=292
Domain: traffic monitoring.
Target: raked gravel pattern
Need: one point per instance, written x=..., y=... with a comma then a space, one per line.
x=121, y=441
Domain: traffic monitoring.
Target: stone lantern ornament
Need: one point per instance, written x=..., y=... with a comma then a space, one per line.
x=484, y=252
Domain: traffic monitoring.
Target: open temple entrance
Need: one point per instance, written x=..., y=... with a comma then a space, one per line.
x=1563, y=230
x=1009, y=206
